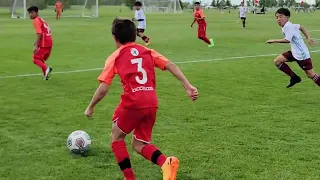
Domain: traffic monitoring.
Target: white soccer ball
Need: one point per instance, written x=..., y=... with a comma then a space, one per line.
x=79, y=142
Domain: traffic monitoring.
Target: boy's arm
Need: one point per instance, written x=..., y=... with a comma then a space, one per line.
x=164, y=64
x=277, y=41
x=175, y=70
x=105, y=79
x=100, y=93
x=307, y=35
x=194, y=20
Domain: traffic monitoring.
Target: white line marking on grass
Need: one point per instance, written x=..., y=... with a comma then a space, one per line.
x=178, y=62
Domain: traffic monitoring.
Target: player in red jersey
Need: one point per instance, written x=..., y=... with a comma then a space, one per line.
x=43, y=43
x=202, y=24
x=139, y=103
x=58, y=9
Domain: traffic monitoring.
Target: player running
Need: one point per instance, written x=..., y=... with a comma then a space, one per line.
x=243, y=12
x=299, y=51
x=202, y=25
x=139, y=103
x=142, y=22
x=58, y=9
x=43, y=43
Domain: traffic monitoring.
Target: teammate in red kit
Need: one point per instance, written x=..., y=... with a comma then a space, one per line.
x=43, y=43
x=58, y=9
x=199, y=17
x=139, y=103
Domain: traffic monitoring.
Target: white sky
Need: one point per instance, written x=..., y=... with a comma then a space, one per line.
x=238, y=1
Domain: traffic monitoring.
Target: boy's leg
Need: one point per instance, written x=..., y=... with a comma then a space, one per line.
x=38, y=59
x=122, y=125
x=243, y=22
x=306, y=65
x=281, y=64
x=47, y=52
x=141, y=144
x=140, y=33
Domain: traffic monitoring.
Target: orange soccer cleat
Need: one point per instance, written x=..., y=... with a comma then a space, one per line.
x=170, y=168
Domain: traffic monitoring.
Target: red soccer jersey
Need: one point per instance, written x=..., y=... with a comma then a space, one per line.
x=199, y=14
x=42, y=27
x=59, y=6
x=135, y=66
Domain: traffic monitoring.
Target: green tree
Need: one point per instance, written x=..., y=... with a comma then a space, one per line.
x=317, y=3
x=228, y=3
x=281, y=3
x=181, y=4
x=213, y=3
x=129, y=3
x=218, y=3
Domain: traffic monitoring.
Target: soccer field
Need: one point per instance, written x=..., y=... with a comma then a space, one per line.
x=245, y=125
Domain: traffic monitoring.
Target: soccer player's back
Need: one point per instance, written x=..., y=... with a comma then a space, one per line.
x=138, y=106
x=43, y=44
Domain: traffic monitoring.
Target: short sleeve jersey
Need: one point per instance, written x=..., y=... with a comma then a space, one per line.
x=135, y=65
x=242, y=11
x=299, y=49
x=139, y=14
x=41, y=27
x=59, y=6
x=199, y=14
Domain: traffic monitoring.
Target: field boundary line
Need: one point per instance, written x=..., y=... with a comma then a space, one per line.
x=177, y=62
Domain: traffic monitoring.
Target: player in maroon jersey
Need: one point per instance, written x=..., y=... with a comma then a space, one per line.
x=199, y=17
x=43, y=43
x=139, y=103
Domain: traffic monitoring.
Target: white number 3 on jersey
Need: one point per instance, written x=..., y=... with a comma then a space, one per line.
x=144, y=79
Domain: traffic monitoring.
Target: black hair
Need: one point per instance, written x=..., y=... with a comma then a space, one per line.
x=197, y=3
x=33, y=9
x=283, y=11
x=137, y=3
x=124, y=30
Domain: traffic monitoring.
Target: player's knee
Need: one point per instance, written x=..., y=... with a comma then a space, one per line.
x=279, y=60
x=310, y=73
x=117, y=134
x=137, y=145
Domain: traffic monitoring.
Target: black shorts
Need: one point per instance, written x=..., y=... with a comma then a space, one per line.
x=304, y=64
x=140, y=30
x=244, y=18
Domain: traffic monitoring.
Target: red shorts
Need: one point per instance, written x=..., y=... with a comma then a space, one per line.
x=202, y=30
x=42, y=54
x=139, y=120
x=304, y=64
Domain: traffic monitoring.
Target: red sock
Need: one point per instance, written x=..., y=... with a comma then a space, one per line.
x=205, y=39
x=41, y=64
x=286, y=69
x=153, y=154
x=316, y=79
x=122, y=156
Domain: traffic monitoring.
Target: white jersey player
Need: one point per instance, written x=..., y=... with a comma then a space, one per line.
x=242, y=14
x=299, y=51
x=142, y=22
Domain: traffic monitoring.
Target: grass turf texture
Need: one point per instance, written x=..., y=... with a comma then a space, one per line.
x=246, y=124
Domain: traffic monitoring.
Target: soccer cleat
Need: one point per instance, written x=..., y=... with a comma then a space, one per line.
x=211, y=43
x=148, y=41
x=48, y=73
x=294, y=80
x=170, y=168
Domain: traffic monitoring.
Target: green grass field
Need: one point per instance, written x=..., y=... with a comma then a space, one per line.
x=245, y=125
